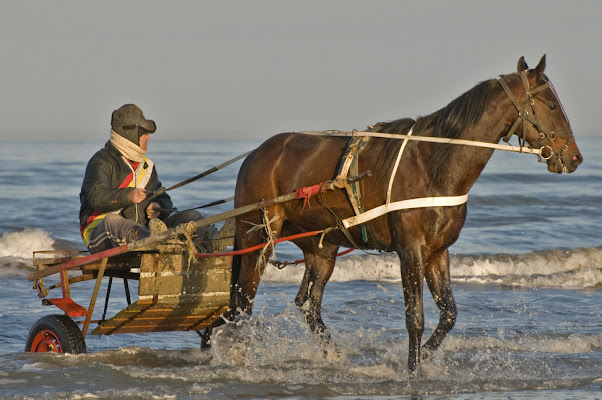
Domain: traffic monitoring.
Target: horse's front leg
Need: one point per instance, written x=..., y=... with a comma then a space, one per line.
x=319, y=264
x=439, y=282
x=412, y=275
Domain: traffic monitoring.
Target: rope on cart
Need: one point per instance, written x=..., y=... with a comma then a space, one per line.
x=278, y=264
x=284, y=264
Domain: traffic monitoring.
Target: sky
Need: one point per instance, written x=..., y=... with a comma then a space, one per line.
x=252, y=69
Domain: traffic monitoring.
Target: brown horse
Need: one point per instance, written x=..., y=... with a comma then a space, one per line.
x=421, y=236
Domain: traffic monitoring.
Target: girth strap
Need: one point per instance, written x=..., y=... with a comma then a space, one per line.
x=448, y=201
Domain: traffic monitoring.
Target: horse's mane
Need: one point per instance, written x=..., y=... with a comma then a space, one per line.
x=449, y=122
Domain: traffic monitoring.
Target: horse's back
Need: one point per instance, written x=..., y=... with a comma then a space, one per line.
x=286, y=162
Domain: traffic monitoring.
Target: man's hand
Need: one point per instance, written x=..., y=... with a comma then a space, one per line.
x=152, y=210
x=137, y=195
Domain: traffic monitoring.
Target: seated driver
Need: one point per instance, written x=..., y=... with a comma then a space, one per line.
x=115, y=196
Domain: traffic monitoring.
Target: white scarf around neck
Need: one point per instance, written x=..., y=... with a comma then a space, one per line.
x=128, y=149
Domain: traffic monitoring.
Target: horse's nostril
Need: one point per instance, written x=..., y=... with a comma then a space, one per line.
x=578, y=159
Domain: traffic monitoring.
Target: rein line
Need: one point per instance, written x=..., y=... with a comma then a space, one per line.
x=199, y=176
x=335, y=133
x=465, y=142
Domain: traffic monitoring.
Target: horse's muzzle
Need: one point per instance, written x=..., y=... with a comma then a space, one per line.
x=564, y=163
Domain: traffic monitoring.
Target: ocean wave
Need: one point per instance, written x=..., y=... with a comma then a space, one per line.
x=17, y=247
x=579, y=268
x=22, y=243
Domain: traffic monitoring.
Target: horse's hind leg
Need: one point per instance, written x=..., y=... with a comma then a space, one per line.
x=438, y=279
x=247, y=273
x=319, y=264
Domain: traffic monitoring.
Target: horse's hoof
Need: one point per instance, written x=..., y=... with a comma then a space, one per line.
x=205, y=339
x=205, y=345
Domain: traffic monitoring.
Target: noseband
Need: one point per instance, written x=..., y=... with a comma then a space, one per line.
x=526, y=113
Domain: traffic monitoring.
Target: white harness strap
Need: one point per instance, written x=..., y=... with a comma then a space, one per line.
x=495, y=146
x=388, y=207
x=401, y=149
x=448, y=201
x=350, y=157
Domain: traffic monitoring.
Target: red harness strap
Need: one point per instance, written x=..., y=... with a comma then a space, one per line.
x=306, y=193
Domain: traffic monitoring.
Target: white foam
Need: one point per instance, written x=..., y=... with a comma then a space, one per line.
x=381, y=267
x=84, y=396
x=22, y=243
x=571, y=269
x=17, y=247
x=579, y=268
x=525, y=343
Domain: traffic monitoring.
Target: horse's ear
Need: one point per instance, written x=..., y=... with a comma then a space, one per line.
x=541, y=66
x=522, y=65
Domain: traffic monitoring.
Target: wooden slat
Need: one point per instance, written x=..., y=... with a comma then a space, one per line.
x=151, y=320
x=174, y=295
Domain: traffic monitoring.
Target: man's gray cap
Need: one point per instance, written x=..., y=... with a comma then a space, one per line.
x=129, y=122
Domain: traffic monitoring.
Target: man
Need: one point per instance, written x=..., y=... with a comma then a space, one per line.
x=116, y=203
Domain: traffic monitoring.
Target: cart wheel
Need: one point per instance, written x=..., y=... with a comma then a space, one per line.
x=55, y=333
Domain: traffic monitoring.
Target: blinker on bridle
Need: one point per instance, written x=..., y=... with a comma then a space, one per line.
x=526, y=113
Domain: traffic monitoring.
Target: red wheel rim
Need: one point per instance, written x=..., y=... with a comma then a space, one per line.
x=46, y=342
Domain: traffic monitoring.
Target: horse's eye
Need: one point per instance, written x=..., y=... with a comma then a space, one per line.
x=552, y=106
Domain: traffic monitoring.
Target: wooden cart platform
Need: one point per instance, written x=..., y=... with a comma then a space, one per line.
x=175, y=293
x=174, y=296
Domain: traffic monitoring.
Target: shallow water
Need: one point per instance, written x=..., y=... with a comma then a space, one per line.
x=527, y=277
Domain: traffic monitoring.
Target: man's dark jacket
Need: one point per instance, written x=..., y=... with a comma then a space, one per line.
x=100, y=191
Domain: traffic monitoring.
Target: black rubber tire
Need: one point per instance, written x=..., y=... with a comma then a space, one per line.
x=55, y=333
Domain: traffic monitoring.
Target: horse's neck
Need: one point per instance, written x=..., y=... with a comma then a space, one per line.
x=465, y=162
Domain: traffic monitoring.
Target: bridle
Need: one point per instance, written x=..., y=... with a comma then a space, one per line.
x=526, y=113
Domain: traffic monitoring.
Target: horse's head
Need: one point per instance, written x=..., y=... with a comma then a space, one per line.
x=545, y=125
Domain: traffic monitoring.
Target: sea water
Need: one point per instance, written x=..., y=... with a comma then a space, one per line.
x=527, y=278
